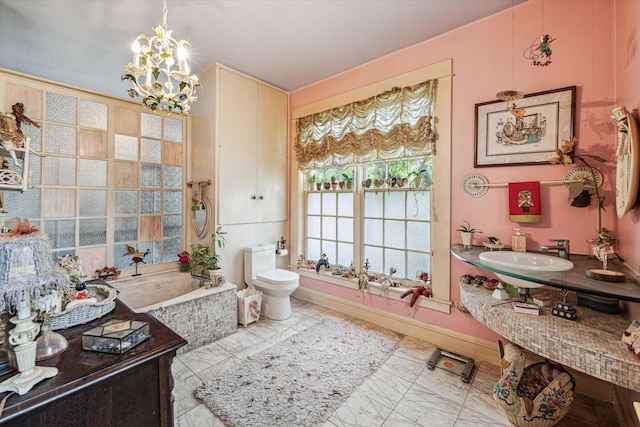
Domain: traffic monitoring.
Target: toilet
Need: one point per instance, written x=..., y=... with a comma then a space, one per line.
x=276, y=284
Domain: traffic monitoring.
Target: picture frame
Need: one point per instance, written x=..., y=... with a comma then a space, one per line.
x=526, y=131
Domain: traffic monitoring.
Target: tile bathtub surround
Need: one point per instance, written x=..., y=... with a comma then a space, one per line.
x=203, y=320
x=403, y=392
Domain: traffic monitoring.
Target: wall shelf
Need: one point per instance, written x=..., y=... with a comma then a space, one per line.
x=10, y=179
x=572, y=280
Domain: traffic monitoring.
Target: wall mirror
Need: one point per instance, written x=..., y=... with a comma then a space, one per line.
x=201, y=211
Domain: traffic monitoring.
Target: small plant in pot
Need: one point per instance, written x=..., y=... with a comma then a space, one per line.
x=348, y=181
x=467, y=234
x=311, y=180
x=205, y=259
x=418, y=177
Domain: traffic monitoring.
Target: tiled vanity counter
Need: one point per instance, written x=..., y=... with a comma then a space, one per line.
x=590, y=344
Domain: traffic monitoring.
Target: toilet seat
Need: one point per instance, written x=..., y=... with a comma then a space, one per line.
x=278, y=277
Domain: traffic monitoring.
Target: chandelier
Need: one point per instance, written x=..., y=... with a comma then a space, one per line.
x=159, y=71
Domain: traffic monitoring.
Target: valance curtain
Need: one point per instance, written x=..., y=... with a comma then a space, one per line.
x=392, y=125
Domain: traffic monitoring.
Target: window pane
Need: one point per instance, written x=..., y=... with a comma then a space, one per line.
x=93, y=115
x=345, y=254
x=23, y=205
x=394, y=234
x=126, y=202
x=330, y=250
x=151, y=125
x=313, y=226
x=171, y=226
x=172, y=202
x=329, y=204
x=374, y=255
x=345, y=229
x=313, y=203
x=394, y=258
x=173, y=130
x=153, y=256
x=93, y=173
x=374, y=206
x=418, y=234
x=60, y=139
x=313, y=249
x=419, y=205
x=62, y=233
x=150, y=151
x=125, y=229
x=61, y=108
x=345, y=204
x=59, y=170
x=171, y=249
x=126, y=148
x=172, y=177
x=373, y=231
x=93, y=202
x=93, y=232
x=150, y=202
x=150, y=176
x=418, y=262
x=329, y=228
x=394, y=204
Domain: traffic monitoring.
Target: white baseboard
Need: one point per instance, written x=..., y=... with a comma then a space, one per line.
x=466, y=345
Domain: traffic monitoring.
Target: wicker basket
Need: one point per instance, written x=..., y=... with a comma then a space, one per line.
x=85, y=313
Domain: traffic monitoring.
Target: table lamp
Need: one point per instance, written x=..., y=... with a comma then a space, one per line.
x=26, y=270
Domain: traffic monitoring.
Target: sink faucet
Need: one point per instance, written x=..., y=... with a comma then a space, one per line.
x=562, y=247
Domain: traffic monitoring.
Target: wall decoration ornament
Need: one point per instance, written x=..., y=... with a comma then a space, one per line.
x=526, y=133
x=627, y=160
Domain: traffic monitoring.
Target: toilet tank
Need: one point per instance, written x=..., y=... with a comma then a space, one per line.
x=258, y=259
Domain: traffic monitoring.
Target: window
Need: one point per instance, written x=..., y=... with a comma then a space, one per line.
x=398, y=206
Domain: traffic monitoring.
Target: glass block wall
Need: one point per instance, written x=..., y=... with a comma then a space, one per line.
x=108, y=175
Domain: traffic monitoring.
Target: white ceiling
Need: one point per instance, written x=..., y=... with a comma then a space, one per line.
x=288, y=43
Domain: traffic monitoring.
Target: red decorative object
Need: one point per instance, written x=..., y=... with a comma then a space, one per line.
x=417, y=291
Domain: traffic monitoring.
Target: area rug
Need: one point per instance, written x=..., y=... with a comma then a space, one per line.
x=299, y=381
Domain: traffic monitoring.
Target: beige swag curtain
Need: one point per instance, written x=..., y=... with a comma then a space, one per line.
x=392, y=125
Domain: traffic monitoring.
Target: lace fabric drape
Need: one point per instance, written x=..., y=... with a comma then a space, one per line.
x=392, y=125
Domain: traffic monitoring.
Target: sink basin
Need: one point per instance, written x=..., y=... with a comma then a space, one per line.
x=524, y=264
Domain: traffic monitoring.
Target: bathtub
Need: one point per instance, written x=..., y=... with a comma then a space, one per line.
x=197, y=314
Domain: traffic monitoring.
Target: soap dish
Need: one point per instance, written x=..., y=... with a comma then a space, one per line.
x=492, y=246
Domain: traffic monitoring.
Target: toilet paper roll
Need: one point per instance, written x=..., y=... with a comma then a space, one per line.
x=283, y=252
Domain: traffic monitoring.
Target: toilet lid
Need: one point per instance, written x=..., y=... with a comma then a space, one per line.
x=278, y=277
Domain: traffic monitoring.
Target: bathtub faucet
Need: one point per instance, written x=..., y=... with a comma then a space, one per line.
x=205, y=281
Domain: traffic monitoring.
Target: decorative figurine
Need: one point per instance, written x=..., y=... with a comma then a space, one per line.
x=137, y=257
x=324, y=263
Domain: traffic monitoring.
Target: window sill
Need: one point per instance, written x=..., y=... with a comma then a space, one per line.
x=376, y=289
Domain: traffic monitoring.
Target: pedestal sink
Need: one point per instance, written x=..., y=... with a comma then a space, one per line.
x=528, y=264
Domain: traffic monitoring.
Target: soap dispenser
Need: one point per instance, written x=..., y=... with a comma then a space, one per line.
x=519, y=242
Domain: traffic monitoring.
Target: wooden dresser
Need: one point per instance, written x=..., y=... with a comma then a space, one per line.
x=99, y=389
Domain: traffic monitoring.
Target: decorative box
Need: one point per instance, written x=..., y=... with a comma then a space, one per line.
x=115, y=336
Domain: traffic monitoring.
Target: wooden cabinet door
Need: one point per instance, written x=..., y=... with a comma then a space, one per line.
x=272, y=154
x=237, y=136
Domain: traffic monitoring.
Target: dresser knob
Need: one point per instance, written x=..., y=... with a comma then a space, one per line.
x=253, y=197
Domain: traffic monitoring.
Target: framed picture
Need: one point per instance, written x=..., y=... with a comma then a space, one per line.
x=526, y=131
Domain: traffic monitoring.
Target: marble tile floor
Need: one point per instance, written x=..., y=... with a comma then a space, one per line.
x=402, y=393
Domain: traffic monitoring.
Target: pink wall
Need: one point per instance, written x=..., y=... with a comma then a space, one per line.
x=485, y=62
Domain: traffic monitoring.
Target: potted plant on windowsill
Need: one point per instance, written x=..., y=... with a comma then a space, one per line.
x=311, y=180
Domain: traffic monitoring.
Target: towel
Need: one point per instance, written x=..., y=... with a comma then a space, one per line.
x=524, y=202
